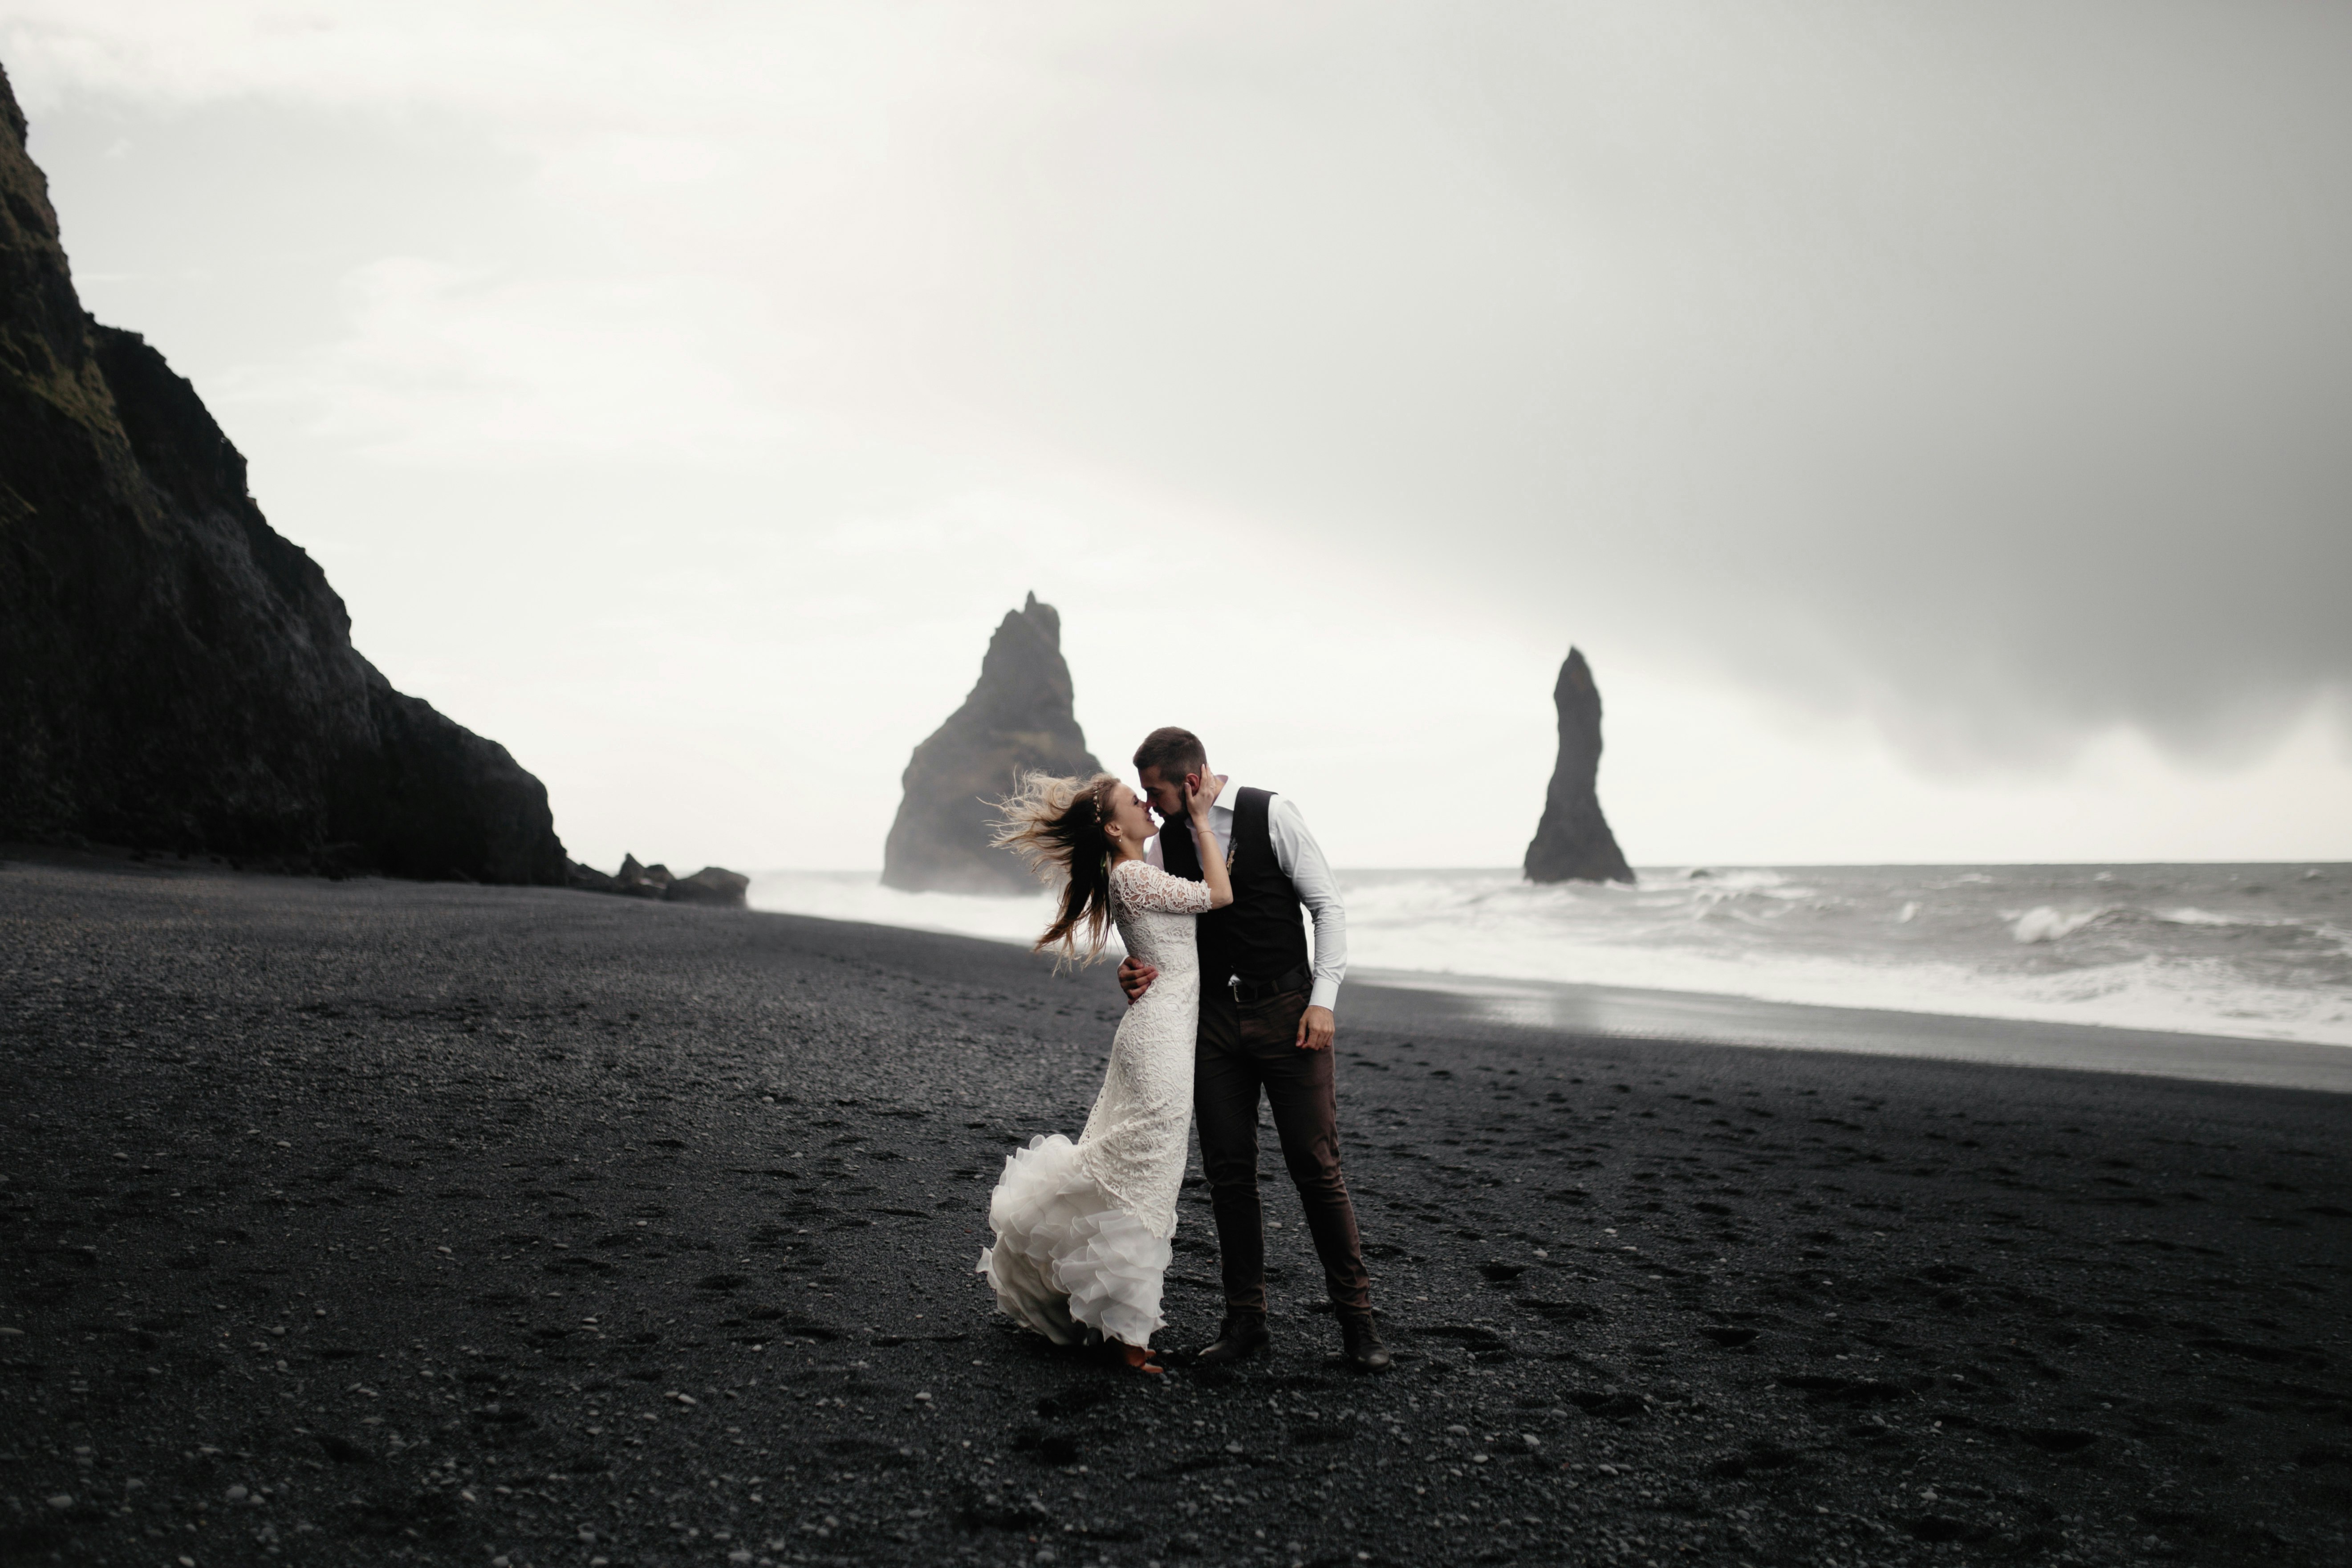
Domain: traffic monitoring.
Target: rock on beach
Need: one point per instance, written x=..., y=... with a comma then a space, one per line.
x=712, y=885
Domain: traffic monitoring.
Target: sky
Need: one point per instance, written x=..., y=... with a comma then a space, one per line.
x=1931, y=421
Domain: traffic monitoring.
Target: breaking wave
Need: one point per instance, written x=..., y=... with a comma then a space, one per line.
x=2259, y=952
x=2043, y=923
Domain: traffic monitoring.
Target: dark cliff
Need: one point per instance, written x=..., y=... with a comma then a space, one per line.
x=1572, y=843
x=1017, y=719
x=173, y=675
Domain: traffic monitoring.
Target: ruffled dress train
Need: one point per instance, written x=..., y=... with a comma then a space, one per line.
x=1068, y=1257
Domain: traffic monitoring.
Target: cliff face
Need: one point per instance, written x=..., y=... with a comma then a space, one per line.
x=173, y=675
x=1572, y=843
x=1017, y=718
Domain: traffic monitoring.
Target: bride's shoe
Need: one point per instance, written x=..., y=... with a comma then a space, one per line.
x=1139, y=1357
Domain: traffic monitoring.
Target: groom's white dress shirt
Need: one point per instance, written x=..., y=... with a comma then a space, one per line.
x=1301, y=859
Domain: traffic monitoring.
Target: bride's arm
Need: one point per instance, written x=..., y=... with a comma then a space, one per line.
x=1197, y=802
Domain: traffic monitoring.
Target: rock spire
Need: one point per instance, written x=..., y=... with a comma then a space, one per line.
x=173, y=675
x=1572, y=843
x=1017, y=718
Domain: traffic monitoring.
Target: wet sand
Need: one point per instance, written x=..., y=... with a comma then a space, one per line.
x=1453, y=1002
x=373, y=1222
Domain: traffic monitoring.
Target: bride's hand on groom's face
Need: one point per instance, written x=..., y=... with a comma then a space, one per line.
x=1200, y=792
x=1135, y=977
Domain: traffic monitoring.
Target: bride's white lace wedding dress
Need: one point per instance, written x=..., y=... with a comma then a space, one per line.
x=1082, y=1229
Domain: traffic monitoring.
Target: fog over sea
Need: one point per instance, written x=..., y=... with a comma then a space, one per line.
x=2254, y=950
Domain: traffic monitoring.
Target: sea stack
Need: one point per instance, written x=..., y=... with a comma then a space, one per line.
x=173, y=675
x=1572, y=843
x=1017, y=719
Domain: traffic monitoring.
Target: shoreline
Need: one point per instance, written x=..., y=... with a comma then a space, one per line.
x=449, y=1222
x=1644, y=986
x=1632, y=1013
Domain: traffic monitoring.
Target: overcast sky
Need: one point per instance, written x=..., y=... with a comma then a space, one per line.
x=1934, y=423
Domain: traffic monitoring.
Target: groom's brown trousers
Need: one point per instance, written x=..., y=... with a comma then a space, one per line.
x=1245, y=1050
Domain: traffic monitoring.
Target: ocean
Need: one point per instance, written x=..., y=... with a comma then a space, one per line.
x=2261, y=952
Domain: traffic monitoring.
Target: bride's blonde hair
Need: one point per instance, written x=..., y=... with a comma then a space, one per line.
x=1055, y=826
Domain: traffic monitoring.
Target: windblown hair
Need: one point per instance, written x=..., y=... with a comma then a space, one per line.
x=1173, y=752
x=1055, y=826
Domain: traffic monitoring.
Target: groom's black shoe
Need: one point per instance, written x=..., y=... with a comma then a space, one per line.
x=1360, y=1346
x=1243, y=1336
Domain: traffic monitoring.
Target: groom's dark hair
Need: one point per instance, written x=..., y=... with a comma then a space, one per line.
x=1173, y=752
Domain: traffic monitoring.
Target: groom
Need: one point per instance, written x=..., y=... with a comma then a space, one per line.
x=1266, y=1029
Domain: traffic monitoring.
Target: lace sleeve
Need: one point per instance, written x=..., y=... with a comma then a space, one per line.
x=1142, y=886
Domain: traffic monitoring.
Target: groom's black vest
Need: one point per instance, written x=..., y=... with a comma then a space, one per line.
x=1259, y=935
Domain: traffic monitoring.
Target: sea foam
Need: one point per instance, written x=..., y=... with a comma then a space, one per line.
x=2229, y=951
x=2046, y=924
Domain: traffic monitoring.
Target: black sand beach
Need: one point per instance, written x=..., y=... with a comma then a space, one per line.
x=371, y=1222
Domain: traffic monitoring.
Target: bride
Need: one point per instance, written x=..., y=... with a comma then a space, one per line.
x=1082, y=1229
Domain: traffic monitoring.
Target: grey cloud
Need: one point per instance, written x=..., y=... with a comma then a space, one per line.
x=1987, y=370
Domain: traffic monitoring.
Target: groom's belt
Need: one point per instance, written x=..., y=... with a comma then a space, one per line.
x=1296, y=978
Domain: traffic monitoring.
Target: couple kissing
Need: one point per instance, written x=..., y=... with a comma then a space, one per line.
x=1226, y=1009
